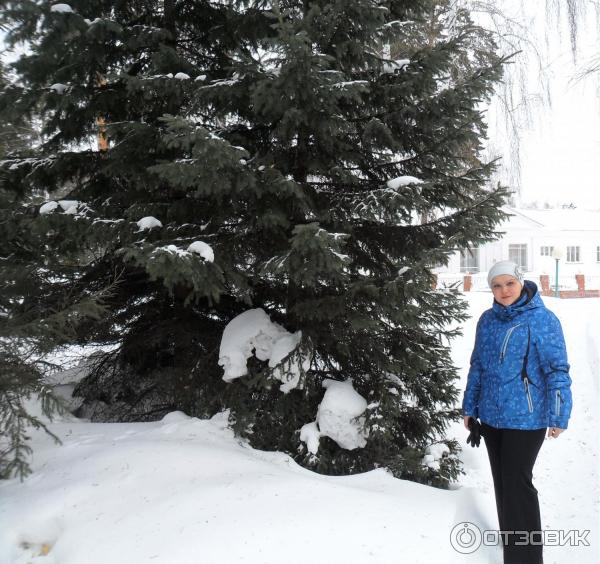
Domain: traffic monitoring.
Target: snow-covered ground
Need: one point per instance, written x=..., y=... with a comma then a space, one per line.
x=186, y=491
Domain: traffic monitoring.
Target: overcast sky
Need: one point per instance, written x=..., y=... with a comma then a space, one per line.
x=561, y=155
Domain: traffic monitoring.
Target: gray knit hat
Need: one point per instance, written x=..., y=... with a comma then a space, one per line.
x=505, y=267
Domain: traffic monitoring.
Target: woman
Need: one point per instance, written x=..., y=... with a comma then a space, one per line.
x=518, y=386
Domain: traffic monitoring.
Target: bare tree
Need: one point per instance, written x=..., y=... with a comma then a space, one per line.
x=528, y=31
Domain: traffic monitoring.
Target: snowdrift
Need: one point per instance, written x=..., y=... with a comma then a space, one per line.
x=184, y=490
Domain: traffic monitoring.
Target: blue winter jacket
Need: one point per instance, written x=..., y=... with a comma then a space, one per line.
x=496, y=391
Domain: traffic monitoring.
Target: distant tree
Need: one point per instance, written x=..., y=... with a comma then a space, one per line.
x=520, y=100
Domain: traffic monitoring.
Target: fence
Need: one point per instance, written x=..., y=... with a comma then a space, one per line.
x=578, y=286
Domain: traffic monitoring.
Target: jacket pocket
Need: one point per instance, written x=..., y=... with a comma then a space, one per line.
x=528, y=393
x=506, y=341
x=558, y=402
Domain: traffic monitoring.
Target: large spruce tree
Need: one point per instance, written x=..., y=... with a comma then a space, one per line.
x=327, y=178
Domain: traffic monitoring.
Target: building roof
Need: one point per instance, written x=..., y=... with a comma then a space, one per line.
x=560, y=219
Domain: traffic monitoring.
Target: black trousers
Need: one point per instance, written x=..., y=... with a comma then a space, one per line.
x=512, y=454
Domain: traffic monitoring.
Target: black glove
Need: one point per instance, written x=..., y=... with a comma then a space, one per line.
x=474, y=437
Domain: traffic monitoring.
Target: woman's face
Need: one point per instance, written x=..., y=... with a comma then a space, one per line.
x=506, y=289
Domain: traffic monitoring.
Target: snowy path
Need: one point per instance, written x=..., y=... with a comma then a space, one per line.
x=185, y=491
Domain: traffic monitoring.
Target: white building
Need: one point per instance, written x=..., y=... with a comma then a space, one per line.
x=531, y=236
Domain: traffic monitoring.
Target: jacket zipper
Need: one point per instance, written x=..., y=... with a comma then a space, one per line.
x=529, y=402
x=505, y=342
x=558, y=402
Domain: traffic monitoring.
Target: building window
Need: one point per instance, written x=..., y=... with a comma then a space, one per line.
x=469, y=260
x=573, y=254
x=546, y=251
x=518, y=254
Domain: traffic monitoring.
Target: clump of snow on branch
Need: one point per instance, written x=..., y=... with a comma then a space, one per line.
x=198, y=247
x=433, y=455
x=391, y=67
x=310, y=435
x=203, y=249
x=253, y=332
x=182, y=76
x=48, y=207
x=59, y=88
x=62, y=9
x=171, y=249
x=67, y=206
x=289, y=372
x=147, y=223
x=340, y=416
x=401, y=181
x=348, y=83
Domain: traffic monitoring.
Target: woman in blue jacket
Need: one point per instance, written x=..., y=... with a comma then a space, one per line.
x=518, y=386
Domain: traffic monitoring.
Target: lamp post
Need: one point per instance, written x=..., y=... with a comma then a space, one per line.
x=557, y=254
